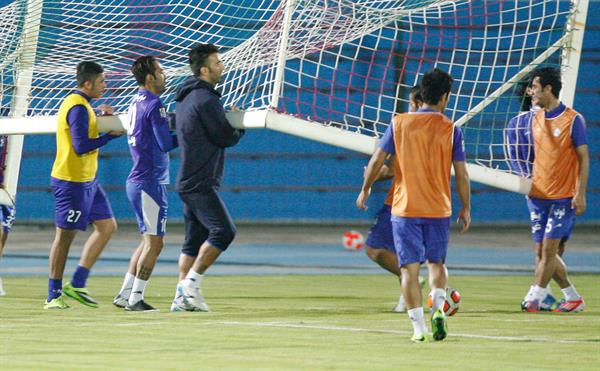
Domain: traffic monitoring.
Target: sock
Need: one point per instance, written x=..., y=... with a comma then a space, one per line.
x=438, y=299
x=538, y=293
x=54, y=288
x=80, y=277
x=570, y=293
x=127, y=285
x=137, y=291
x=194, y=278
x=418, y=321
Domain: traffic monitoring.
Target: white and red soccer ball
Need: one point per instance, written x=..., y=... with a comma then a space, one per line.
x=452, y=302
x=353, y=240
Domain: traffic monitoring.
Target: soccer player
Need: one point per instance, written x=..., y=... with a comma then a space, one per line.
x=425, y=144
x=149, y=142
x=519, y=148
x=80, y=199
x=380, y=241
x=203, y=133
x=559, y=181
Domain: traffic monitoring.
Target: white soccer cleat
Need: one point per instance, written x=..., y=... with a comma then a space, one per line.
x=2, y=292
x=120, y=301
x=191, y=298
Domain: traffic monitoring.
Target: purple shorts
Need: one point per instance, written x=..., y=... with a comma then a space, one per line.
x=421, y=239
x=7, y=217
x=381, y=235
x=150, y=204
x=79, y=204
x=551, y=219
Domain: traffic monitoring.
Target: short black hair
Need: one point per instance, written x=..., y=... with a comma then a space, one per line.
x=549, y=76
x=199, y=55
x=524, y=98
x=142, y=67
x=434, y=85
x=416, y=93
x=87, y=71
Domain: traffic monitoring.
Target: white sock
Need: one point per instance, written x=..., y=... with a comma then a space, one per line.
x=538, y=293
x=193, y=278
x=127, y=285
x=418, y=321
x=137, y=291
x=438, y=298
x=570, y=293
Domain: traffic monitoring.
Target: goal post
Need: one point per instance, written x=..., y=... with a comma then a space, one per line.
x=334, y=71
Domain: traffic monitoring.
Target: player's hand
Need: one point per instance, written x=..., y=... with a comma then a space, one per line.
x=105, y=110
x=361, y=200
x=116, y=133
x=578, y=203
x=465, y=216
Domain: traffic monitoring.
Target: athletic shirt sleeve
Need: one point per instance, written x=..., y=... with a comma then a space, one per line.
x=458, y=145
x=78, y=120
x=578, y=132
x=160, y=127
x=387, y=141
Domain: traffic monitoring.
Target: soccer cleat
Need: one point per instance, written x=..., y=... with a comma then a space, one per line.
x=56, y=303
x=140, y=306
x=192, y=298
x=80, y=294
x=548, y=304
x=177, y=305
x=419, y=339
x=120, y=301
x=571, y=306
x=2, y=292
x=439, y=326
x=531, y=306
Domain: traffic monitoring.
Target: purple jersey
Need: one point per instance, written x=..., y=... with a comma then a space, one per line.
x=149, y=139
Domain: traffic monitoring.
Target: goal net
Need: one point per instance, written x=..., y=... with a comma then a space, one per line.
x=335, y=71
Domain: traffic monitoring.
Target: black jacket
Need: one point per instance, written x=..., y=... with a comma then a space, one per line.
x=203, y=133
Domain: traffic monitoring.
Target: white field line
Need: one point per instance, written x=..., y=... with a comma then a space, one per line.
x=396, y=332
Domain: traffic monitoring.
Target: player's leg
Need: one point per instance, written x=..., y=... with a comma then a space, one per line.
x=195, y=235
x=70, y=215
x=3, y=236
x=153, y=245
x=436, y=237
x=122, y=298
x=210, y=210
x=99, y=213
x=7, y=217
x=408, y=240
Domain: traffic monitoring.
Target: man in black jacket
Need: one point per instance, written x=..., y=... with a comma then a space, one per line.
x=203, y=133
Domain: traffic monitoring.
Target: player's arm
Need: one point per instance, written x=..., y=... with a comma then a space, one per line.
x=386, y=147
x=463, y=186
x=78, y=124
x=386, y=172
x=371, y=174
x=160, y=127
x=461, y=176
x=579, y=138
x=218, y=128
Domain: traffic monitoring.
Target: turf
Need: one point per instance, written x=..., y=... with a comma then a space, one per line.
x=295, y=322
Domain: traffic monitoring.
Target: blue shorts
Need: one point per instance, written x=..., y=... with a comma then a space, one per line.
x=150, y=204
x=79, y=204
x=421, y=239
x=551, y=219
x=206, y=219
x=7, y=217
x=381, y=235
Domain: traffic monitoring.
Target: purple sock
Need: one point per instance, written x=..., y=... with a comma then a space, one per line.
x=80, y=277
x=54, y=289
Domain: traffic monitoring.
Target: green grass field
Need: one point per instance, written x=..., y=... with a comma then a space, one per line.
x=295, y=322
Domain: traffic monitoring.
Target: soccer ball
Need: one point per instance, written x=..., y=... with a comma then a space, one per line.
x=353, y=240
x=452, y=302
